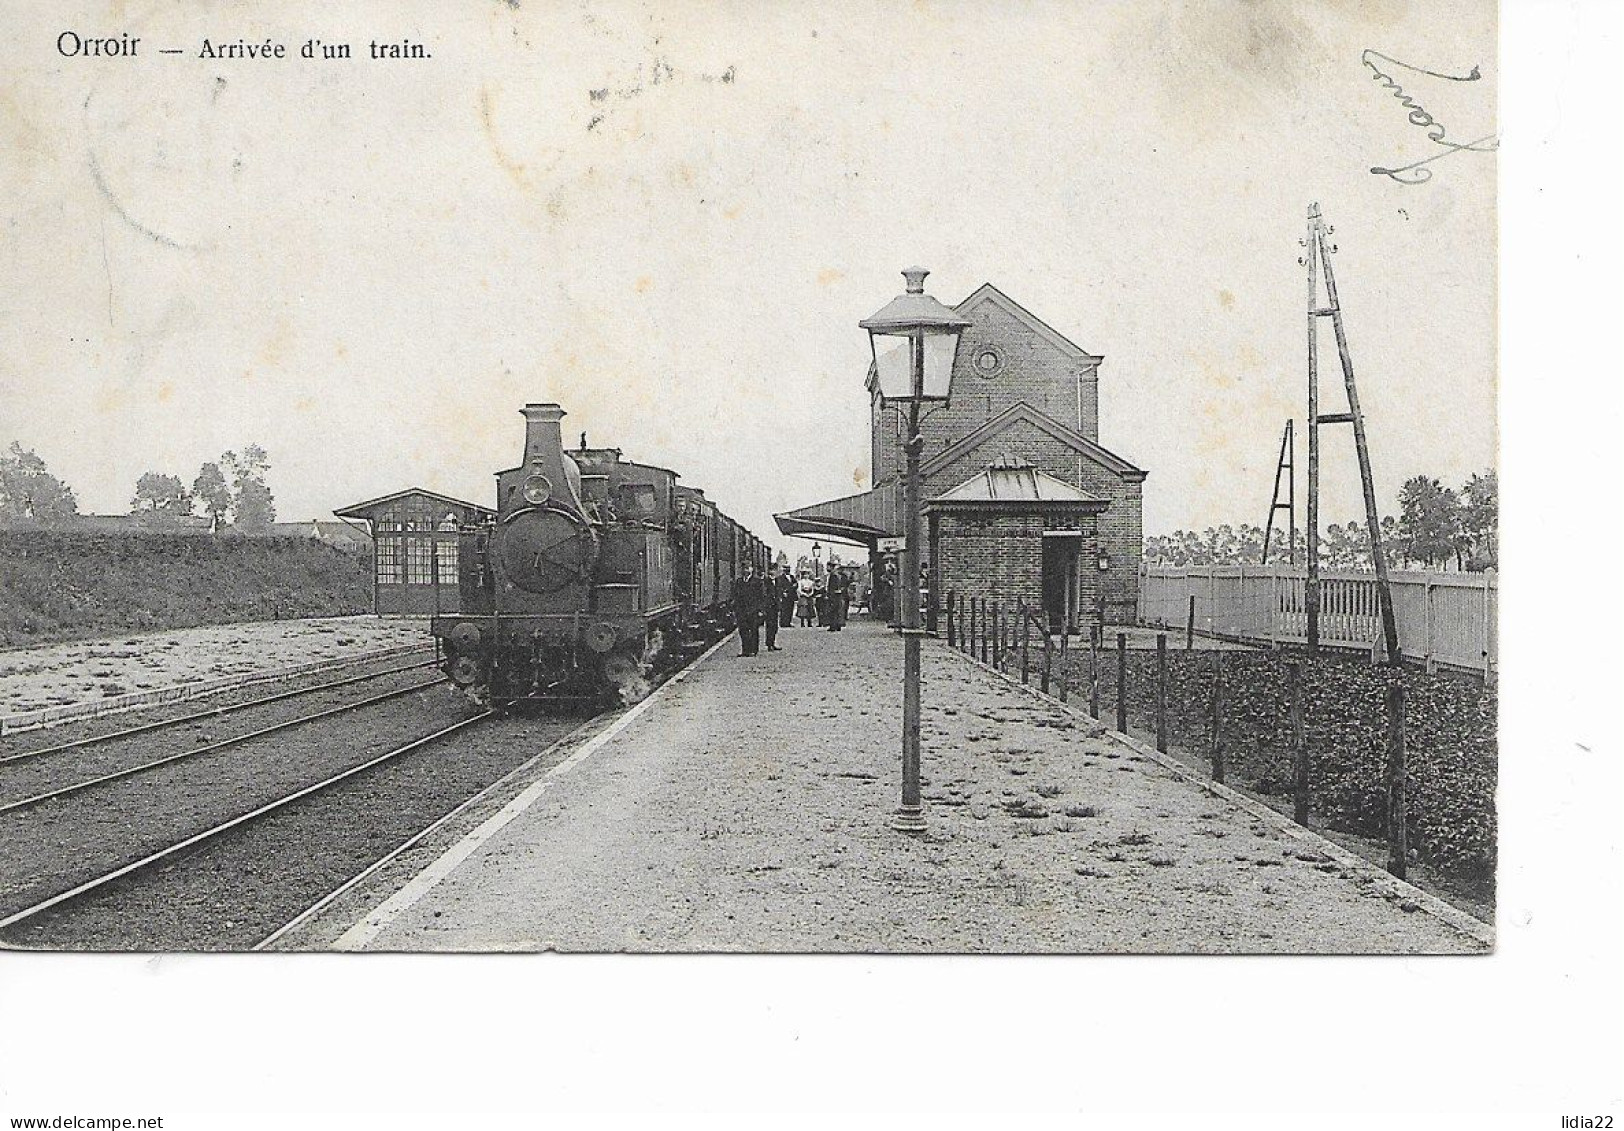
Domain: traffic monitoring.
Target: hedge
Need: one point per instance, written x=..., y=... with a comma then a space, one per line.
x=1450, y=725
x=65, y=585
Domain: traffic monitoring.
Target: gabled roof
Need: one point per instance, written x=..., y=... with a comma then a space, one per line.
x=363, y=510
x=989, y=293
x=1008, y=479
x=1025, y=413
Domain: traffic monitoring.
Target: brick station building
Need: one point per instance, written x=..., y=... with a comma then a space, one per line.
x=1022, y=502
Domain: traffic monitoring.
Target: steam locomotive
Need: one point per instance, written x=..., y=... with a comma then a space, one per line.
x=596, y=573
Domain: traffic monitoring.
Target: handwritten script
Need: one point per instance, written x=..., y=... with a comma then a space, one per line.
x=1417, y=172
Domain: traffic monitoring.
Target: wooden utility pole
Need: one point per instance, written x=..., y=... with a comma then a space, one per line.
x=1319, y=256
x=1285, y=467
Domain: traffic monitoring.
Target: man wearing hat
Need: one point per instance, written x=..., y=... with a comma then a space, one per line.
x=749, y=600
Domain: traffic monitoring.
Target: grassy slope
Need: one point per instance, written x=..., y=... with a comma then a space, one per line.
x=61, y=585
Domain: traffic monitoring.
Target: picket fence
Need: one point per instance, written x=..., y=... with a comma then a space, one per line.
x=1443, y=618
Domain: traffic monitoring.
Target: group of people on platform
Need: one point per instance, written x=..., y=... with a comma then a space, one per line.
x=777, y=600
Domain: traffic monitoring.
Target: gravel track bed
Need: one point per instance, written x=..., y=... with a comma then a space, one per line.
x=63, y=842
x=232, y=892
x=55, y=771
x=80, y=729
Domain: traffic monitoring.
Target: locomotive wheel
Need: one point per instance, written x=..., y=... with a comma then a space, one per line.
x=620, y=669
x=600, y=637
x=465, y=671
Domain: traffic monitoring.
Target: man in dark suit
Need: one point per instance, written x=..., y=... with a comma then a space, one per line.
x=749, y=600
x=838, y=594
x=785, y=588
x=769, y=609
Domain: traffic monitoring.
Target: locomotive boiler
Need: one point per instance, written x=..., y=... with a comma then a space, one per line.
x=596, y=573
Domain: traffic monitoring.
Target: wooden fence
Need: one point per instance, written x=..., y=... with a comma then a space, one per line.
x=1443, y=618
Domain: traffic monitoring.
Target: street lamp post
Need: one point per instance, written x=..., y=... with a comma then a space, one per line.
x=817, y=565
x=914, y=340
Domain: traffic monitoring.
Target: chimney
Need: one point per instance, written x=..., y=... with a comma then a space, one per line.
x=543, y=431
x=544, y=452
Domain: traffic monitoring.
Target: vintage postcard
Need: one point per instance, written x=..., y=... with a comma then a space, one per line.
x=941, y=478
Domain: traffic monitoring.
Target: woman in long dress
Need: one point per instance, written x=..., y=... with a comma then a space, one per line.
x=804, y=607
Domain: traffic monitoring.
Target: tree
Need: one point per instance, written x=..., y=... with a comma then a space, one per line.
x=1251, y=543
x=253, y=507
x=1480, y=520
x=211, y=489
x=30, y=493
x=1429, y=521
x=1393, y=543
x=163, y=498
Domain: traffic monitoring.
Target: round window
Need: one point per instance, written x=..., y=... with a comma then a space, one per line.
x=988, y=362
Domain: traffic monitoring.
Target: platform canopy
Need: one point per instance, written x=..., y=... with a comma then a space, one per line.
x=863, y=518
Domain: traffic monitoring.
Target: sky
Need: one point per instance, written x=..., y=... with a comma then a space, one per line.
x=670, y=220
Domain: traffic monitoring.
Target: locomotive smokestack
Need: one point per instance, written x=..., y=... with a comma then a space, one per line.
x=543, y=431
x=544, y=453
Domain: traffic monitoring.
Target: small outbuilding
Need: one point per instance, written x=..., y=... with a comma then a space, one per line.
x=414, y=549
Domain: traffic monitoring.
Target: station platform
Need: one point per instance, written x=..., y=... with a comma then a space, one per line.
x=746, y=807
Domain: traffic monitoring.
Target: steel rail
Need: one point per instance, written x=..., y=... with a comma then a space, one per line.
x=64, y=791
x=236, y=822
x=217, y=712
x=420, y=836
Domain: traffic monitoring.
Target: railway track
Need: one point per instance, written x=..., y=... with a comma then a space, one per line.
x=212, y=713
x=33, y=799
x=182, y=853
x=61, y=904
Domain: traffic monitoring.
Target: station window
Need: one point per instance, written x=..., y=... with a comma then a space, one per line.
x=387, y=557
x=419, y=561
x=445, y=551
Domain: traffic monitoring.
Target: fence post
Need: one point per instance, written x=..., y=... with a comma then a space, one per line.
x=1212, y=600
x=951, y=637
x=1161, y=692
x=989, y=637
x=985, y=652
x=1275, y=612
x=997, y=652
x=1427, y=589
x=1398, y=849
x=1217, y=715
x=1122, y=682
x=1189, y=626
x=1065, y=639
x=1299, y=743
x=1043, y=679
x=1488, y=629
x=1094, y=643
x=1026, y=643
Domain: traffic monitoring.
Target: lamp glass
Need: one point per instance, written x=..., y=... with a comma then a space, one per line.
x=893, y=367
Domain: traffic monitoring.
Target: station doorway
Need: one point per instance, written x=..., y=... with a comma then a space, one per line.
x=1062, y=558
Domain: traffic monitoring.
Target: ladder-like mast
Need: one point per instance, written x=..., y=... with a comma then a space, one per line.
x=1285, y=467
x=1319, y=257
